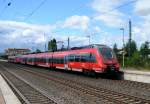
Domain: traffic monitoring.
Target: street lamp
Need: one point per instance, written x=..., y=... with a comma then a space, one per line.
x=123, y=53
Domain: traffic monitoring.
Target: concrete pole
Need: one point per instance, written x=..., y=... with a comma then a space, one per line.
x=130, y=36
x=123, y=53
x=68, y=43
x=45, y=41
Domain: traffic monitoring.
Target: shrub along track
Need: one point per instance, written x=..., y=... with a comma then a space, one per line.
x=100, y=93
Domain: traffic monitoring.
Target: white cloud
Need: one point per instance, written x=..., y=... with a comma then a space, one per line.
x=142, y=7
x=103, y=6
x=97, y=29
x=113, y=18
x=20, y=34
x=116, y=18
x=76, y=22
x=141, y=32
x=24, y=35
x=109, y=39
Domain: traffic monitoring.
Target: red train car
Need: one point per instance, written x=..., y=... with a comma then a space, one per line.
x=15, y=59
x=90, y=59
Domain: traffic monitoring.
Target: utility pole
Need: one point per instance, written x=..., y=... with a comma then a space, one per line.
x=68, y=43
x=130, y=37
x=45, y=41
x=123, y=53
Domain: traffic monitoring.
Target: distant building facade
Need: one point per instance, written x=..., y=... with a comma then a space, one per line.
x=16, y=51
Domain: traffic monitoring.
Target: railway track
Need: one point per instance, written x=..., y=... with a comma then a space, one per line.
x=125, y=83
x=26, y=92
x=101, y=93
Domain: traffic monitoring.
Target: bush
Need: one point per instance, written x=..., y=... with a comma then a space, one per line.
x=136, y=61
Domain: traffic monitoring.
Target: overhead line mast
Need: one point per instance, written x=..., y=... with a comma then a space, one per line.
x=130, y=37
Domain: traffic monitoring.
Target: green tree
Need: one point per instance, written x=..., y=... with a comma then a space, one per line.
x=38, y=50
x=115, y=49
x=52, y=45
x=132, y=47
x=136, y=59
x=144, y=49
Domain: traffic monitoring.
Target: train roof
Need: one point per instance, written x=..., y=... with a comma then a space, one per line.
x=89, y=46
x=65, y=49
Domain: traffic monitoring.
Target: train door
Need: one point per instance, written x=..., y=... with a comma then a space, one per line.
x=47, y=61
x=92, y=61
x=66, y=63
x=33, y=60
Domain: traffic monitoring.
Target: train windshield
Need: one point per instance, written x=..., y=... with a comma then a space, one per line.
x=106, y=52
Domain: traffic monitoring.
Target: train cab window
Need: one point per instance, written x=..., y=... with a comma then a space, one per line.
x=107, y=53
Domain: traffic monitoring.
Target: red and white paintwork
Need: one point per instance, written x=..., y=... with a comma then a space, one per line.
x=100, y=66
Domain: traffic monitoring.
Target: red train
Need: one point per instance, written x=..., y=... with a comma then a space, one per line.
x=90, y=59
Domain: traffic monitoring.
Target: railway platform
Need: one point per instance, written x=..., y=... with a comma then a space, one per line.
x=135, y=75
x=6, y=94
x=2, y=101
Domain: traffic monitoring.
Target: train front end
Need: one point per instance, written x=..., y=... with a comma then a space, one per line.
x=108, y=60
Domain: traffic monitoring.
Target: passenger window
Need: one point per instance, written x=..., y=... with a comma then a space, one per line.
x=83, y=59
x=71, y=58
x=77, y=58
x=92, y=58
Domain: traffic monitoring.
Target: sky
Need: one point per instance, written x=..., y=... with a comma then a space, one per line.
x=32, y=23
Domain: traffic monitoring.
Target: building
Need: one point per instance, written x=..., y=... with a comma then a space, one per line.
x=16, y=51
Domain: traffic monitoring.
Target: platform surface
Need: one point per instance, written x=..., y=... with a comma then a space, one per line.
x=136, y=71
x=136, y=75
x=2, y=101
x=6, y=94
